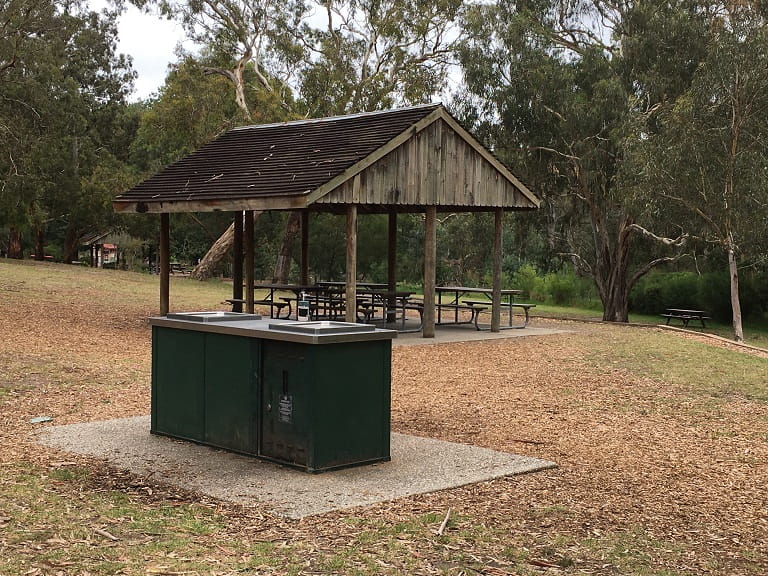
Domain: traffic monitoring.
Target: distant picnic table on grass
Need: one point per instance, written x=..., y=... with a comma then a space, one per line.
x=685, y=316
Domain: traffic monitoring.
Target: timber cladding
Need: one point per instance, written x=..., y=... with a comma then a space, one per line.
x=436, y=166
x=395, y=160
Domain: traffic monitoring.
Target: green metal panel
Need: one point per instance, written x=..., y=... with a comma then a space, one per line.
x=177, y=383
x=231, y=392
x=284, y=405
x=326, y=406
x=351, y=403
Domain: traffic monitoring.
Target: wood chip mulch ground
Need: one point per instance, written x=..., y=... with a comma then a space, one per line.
x=637, y=461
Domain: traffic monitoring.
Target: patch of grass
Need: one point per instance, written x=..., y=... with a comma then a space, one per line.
x=698, y=367
x=47, y=282
x=49, y=522
x=633, y=552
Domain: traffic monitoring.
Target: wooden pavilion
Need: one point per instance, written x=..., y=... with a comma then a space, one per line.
x=417, y=159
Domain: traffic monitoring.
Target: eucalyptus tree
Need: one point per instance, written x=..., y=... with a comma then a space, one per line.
x=709, y=157
x=375, y=54
x=62, y=90
x=247, y=36
x=562, y=88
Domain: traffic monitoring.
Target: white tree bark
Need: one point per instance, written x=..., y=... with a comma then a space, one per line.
x=738, y=332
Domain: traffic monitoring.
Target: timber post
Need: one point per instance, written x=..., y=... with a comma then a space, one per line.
x=249, y=261
x=497, y=258
x=392, y=265
x=237, y=263
x=304, y=279
x=165, y=262
x=430, y=271
x=350, y=315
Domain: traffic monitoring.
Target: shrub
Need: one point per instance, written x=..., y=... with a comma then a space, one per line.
x=527, y=279
x=563, y=288
x=711, y=292
x=657, y=291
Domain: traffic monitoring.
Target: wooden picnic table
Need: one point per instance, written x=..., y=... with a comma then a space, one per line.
x=685, y=316
x=276, y=305
x=341, y=285
x=393, y=304
x=457, y=302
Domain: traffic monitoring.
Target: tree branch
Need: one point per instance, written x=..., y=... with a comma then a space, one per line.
x=579, y=262
x=650, y=266
x=679, y=241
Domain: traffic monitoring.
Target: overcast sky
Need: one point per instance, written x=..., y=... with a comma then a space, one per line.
x=151, y=41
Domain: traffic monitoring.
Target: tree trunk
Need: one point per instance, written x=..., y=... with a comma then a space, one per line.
x=239, y=84
x=283, y=264
x=71, y=244
x=235, y=76
x=216, y=254
x=39, y=243
x=738, y=332
x=615, y=292
x=15, y=249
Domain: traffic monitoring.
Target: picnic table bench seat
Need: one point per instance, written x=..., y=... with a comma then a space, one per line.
x=273, y=305
x=474, y=311
x=483, y=305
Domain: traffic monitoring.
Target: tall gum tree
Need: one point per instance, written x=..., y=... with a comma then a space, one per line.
x=556, y=80
x=709, y=156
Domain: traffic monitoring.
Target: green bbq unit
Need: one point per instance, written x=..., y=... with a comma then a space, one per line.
x=312, y=395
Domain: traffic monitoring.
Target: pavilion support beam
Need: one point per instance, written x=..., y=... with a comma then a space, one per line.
x=350, y=314
x=304, y=279
x=430, y=271
x=249, y=258
x=237, y=263
x=392, y=265
x=165, y=262
x=497, y=259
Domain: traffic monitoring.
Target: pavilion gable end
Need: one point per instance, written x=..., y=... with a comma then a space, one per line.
x=440, y=165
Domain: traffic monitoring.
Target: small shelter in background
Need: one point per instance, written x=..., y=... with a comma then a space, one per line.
x=102, y=250
x=417, y=160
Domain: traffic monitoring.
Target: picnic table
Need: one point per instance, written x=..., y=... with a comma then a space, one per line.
x=685, y=316
x=375, y=303
x=457, y=302
x=327, y=300
x=390, y=306
x=278, y=304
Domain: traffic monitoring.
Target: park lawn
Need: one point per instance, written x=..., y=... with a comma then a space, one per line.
x=661, y=440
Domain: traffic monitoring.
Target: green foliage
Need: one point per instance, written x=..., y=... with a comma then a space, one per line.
x=371, y=55
x=62, y=120
x=527, y=279
x=563, y=288
x=709, y=291
x=658, y=291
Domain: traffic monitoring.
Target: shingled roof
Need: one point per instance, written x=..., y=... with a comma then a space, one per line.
x=283, y=166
